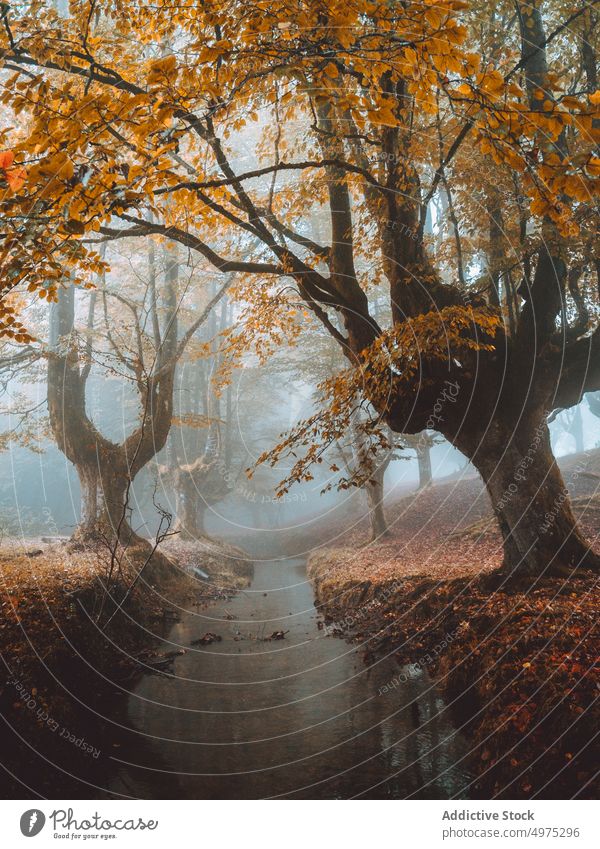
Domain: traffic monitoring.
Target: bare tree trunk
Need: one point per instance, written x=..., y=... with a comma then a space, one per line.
x=88, y=483
x=190, y=508
x=377, y=518
x=202, y=482
x=424, y=459
x=495, y=252
x=373, y=486
x=114, y=513
x=577, y=430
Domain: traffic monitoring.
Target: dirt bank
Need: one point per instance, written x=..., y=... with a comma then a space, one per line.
x=518, y=664
x=71, y=650
x=520, y=668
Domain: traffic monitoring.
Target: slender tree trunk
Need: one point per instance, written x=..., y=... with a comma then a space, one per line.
x=424, y=460
x=373, y=487
x=190, y=508
x=509, y=300
x=377, y=519
x=577, y=430
x=495, y=251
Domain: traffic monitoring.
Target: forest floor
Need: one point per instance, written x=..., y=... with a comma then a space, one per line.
x=68, y=650
x=518, y=664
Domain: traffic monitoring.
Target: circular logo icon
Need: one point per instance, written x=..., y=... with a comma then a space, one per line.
x=32, y=822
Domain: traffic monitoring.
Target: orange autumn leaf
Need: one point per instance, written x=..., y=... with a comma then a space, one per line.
x=16, y=178
x=7, y=158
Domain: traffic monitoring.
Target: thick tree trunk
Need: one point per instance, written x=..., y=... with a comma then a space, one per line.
x=105, y=512
x=114, y=511
x=88, y=484
x=531, y=502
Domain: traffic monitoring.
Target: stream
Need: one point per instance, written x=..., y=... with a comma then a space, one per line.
x=299, y=717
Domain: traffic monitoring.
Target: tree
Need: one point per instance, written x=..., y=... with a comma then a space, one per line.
x=571, y=422
x=199, y=478
x=358, y=463
x=422, y=444
x=106, y=469
x=364, y=110
x=593, y=400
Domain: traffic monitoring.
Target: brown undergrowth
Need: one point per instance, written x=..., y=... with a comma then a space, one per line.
x=73, y=642
x=519, y=667
x=517, y=663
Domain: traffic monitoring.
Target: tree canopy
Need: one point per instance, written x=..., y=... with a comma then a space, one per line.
x=453, y=146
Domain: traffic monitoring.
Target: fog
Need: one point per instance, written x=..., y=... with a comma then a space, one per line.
x=40, y=490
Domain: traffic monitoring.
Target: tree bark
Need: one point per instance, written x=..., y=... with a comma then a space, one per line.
x=203, y=482
x=88, y=484
x=531, y=501
x=377, y=519
x=190, y=507
x=113, y=516
x=373, y=486
x=94, y=457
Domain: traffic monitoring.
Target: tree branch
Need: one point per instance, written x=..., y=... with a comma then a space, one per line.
x=144, y=227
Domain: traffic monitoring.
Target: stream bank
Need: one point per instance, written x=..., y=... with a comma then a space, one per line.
x=68, y=665
x=517, y=665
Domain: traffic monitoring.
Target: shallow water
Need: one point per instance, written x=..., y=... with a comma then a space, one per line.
x=301, y=717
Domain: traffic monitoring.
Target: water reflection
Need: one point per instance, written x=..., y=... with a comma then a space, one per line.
x=301, y=717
